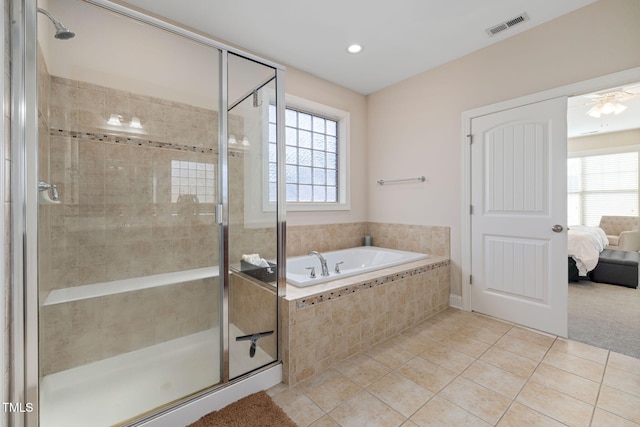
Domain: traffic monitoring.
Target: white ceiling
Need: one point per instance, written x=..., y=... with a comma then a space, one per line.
x=401, y=38
x=314, y=39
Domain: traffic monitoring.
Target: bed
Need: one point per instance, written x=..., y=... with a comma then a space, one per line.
x=584, y=245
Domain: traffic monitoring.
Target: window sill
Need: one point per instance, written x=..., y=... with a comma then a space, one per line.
x=308, y=207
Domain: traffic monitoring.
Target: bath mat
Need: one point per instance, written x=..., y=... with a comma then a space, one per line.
x=256, y=410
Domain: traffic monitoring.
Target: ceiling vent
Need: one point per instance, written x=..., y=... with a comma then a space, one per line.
x=507, y=24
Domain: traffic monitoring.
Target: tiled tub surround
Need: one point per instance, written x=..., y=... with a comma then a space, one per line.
x=326, y=323
x=252, y=309
x=432, y=240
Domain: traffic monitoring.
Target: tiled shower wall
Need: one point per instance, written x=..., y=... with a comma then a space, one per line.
x=117, y=219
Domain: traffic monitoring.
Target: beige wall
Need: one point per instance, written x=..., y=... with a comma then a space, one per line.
x=604, y=141
x=314, y=89
x=414, y=127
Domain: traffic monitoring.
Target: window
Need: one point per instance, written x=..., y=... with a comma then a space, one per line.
x=315, y=156
x=602, y=185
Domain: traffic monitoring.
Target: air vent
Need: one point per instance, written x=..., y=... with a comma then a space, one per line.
x=507, y=24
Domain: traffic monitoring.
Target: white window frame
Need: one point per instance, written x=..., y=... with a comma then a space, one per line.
x=342, y=118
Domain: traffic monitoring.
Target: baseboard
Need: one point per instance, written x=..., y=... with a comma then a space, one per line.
x=455, y=301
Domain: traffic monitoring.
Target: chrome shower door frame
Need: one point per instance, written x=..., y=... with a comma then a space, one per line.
x=24, y=193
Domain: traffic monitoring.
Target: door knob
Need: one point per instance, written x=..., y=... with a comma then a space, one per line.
x=557, y=228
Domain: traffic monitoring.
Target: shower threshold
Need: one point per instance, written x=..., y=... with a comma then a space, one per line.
x=122, y=387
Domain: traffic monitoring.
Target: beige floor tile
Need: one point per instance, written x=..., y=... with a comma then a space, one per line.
x=621, y=380
x=535, y=337
x=567, y=383
x=479, y=333
x=277, y=389
x=494, y=378
x=602, y=418
x=519, y=415
x=448, y=358
x=493, y=324
x=522, y=348
x=400, y=393
x=329, y=389
x=510, y=362
x=427, y=374
x=624, y=363
x=365, y=410
x=619, y=403
x=415, y=343
x=302, y=410
x=476, y=399
x=410, y=423
x=465, y=344
x=437, y=331
x=325, y=421
x=575, y=365
x=439, y=412
x=585, y=351
x=555, y=404
x=389, y=355
x=362, y=369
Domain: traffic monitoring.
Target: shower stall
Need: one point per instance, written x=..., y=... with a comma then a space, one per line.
x=150, y=231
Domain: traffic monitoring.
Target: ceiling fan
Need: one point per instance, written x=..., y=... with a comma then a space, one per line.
x=611, y=101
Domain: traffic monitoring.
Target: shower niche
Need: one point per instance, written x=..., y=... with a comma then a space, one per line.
x=160, y=144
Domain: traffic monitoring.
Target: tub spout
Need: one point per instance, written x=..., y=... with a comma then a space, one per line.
x=323, y=262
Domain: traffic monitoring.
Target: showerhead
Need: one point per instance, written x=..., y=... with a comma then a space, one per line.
x=62, y=32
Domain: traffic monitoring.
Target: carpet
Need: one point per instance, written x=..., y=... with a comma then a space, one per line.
x=605, y=316
x=256, y=410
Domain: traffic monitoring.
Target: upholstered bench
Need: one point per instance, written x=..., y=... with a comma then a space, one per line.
x=617, y=268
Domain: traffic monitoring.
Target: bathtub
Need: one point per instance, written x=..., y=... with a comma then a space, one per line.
x=353, y=261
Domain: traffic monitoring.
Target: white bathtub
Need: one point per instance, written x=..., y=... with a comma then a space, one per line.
x=354, y=261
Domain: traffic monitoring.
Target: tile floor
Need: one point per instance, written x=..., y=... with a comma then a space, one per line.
x=464, y=369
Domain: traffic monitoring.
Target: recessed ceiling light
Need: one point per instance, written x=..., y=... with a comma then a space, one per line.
x=354, y=48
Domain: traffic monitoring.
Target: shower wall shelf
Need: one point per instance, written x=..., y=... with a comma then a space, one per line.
x=94, y=290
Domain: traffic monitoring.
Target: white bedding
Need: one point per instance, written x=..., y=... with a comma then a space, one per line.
x=584, y=245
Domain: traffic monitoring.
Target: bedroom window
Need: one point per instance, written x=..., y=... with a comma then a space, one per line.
x=316, y=142
x=602, y=185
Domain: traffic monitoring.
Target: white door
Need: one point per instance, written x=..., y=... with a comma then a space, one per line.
x=519, y=215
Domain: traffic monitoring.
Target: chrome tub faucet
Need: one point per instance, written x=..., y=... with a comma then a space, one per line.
x=323, y=262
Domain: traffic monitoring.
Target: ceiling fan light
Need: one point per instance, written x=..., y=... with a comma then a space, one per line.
x=608, y=107
x=594, y=112
x=619, y=108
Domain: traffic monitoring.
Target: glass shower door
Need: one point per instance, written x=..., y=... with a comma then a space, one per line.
x=253, y=217
x=129, y=313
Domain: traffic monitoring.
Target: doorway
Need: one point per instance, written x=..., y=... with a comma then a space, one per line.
x=616, y=79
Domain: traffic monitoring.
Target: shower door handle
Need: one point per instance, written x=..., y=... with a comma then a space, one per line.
x=219, y=214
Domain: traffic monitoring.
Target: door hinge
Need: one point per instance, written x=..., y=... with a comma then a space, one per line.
x=470, y=279
x=470, y=138
x=470, y=209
